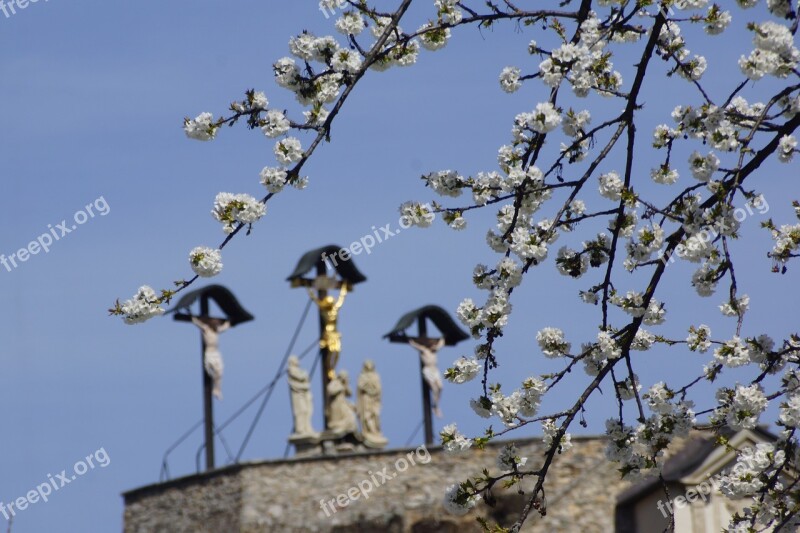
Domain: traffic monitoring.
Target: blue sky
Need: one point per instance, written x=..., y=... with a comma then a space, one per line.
x=92, y=97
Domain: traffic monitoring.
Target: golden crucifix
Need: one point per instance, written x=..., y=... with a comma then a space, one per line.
x=331, y=339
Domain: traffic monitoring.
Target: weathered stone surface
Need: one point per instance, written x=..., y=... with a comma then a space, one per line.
x=286, y=495
x=202, y=504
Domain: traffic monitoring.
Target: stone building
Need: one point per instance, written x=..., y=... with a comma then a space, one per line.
x=400, y=491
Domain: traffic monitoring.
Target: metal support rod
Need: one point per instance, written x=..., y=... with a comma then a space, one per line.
x=208, y=406
x=422, y=332
x=323, y=352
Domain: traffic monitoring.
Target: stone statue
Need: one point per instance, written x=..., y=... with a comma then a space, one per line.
x=369, y=405
x=341, y=412
x=331, y=338
x=430, y=370
x=212, y=359
x=300, y=390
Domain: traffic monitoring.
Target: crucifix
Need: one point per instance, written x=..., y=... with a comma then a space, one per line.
x=428, y=348
x=319, y=287
x=210, y=329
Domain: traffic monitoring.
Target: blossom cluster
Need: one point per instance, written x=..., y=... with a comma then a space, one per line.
x=206, y=262
x=453, y=441
x=509, y=460
x=511, y=409
x=787, y=239
x=759, y=474
x=741, y=407
x=144, y=305
x=640, y=449
x=234, y=209
x=774, y=53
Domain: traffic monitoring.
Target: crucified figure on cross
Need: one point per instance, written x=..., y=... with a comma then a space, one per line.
x=427, y=349
x=331, y=339
x=212, y=358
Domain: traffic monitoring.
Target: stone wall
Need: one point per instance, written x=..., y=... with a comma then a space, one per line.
x=206, y=503
x=406, y=494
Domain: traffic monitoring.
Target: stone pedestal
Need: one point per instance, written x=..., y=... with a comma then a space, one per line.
x=331, y=442
x=305, y=445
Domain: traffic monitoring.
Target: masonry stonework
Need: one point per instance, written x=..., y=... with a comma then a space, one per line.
x=286, y=495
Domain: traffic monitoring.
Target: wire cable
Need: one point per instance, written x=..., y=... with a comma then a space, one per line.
x=414, y=434
x=278, y=375
x=264, y=404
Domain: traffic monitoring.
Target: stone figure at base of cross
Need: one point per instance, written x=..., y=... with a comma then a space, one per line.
x=341, y=412
x=302, y=405
x=369, y=405
x=427, y=349
x=212, y=359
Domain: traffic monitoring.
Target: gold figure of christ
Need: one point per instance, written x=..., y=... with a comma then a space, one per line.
x=331, y=339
